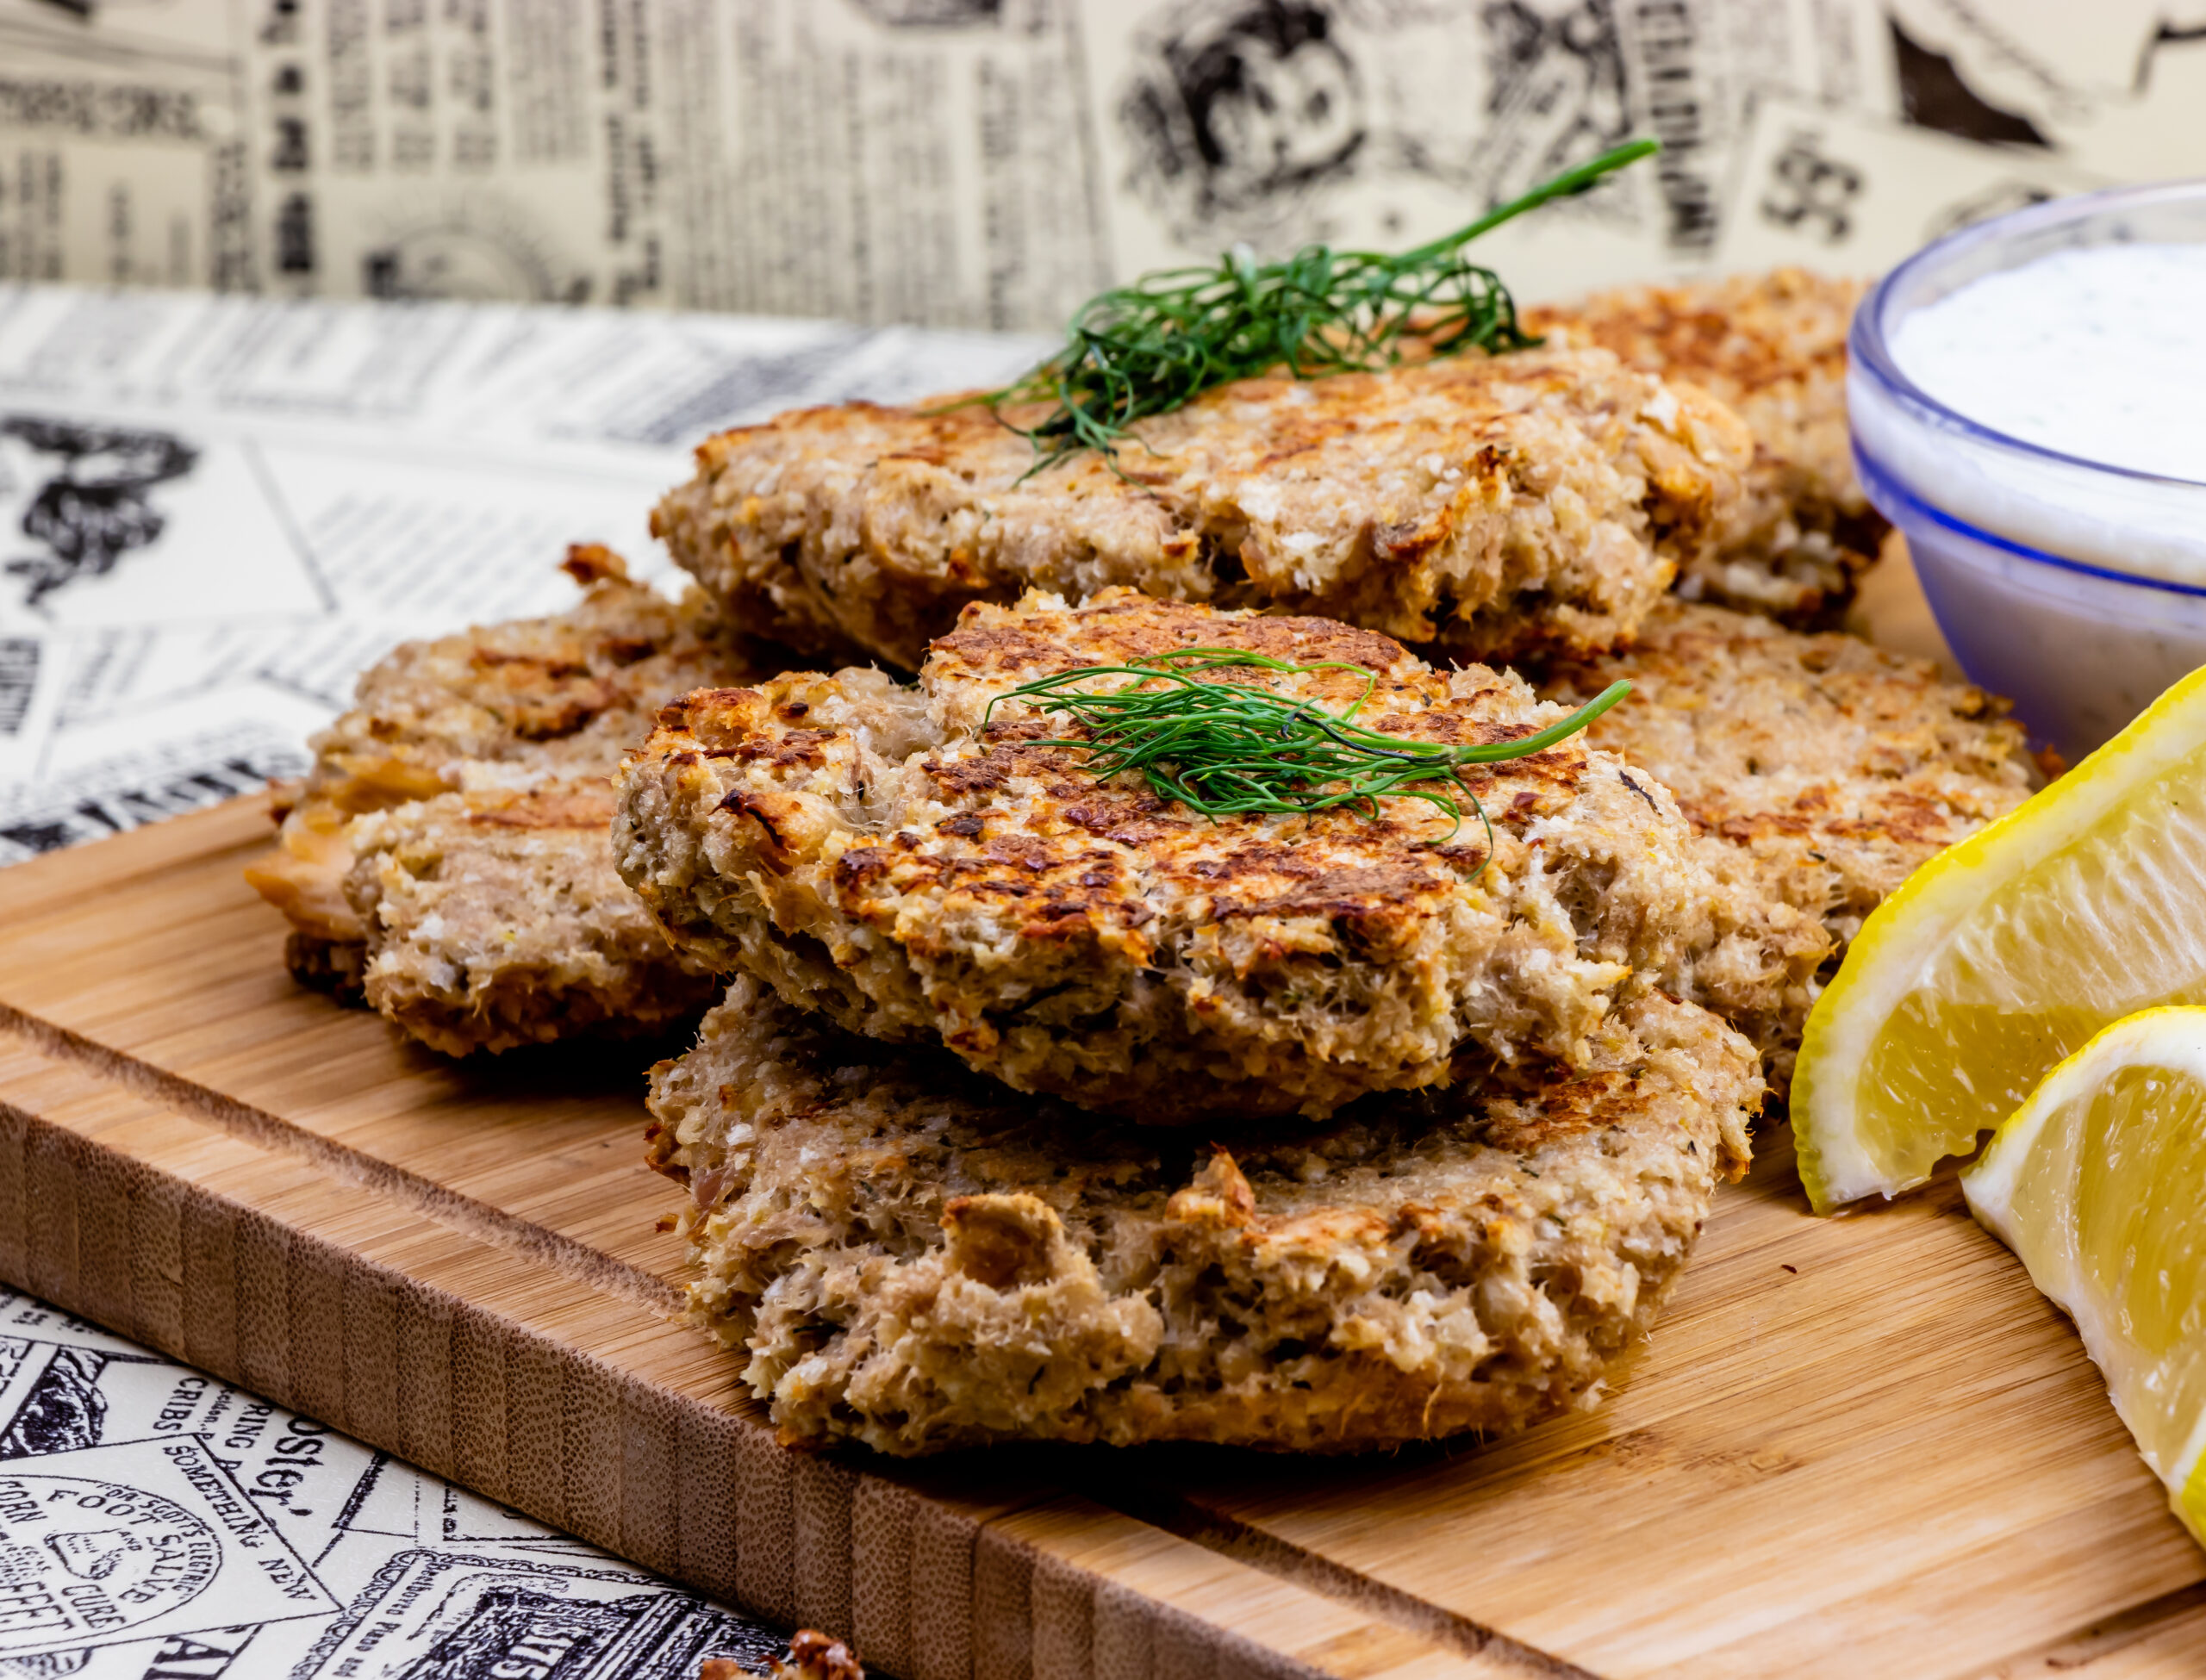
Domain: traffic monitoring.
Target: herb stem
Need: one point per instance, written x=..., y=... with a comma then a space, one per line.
x=1230, y=748
x=1564, y=185
x=1145, y=349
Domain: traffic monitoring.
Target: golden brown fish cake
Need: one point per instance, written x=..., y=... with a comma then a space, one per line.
x=908, y=1255
x=1820, y=770
x=1485, y=504
x=812, y=1655
x=502, y=709
x=1772, y=346
x=881, y=854
x=494, y=919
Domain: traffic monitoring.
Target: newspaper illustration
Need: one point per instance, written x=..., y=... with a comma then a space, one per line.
x=156, y=1523
x=463, y=1615
x=136, y=1540
x=1378, y=122
x=1849, y=195
x=976, y=163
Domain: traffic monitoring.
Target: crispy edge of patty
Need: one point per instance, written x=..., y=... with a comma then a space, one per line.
x=1487, y=504
x=1820, y=771
x=873, y=853
x=1772, y=347
x=546, y=701
x=498, y=920
x=909, y=1256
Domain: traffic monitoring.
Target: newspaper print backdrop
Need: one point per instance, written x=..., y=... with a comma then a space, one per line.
x=157, y=1524
x=990, y=163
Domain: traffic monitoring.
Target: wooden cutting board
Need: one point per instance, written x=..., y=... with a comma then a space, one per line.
x=1855, y=1446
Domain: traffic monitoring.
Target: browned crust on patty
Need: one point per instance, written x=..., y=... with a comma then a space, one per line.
x=1772, y=347
x=881, y=854
x=905, y=1255
x=534, y=940
x=1487, y=505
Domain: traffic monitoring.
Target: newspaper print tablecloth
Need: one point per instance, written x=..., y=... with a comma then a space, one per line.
x=157, y=1524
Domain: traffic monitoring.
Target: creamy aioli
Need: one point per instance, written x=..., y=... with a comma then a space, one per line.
x=2099, y=353
x=2061, y=538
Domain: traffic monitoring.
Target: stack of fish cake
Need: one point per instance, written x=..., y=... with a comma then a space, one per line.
x=444, y=860
x=929, y=906
x=1040, y=1106
x=1455, y=1141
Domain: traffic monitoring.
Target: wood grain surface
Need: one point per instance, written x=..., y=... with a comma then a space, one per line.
x=1854, y=1447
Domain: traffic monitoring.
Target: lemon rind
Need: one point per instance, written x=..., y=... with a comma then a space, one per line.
x=1880, y=972
x=2172, y=1038
x=2189, y=1499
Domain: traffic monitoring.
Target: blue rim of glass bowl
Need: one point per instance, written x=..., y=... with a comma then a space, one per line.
x=1867, y=351
x=1874, y=472
x=1865, y=347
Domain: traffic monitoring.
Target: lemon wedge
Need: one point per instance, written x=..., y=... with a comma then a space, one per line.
x=2098, y=1184
x=2006, y=953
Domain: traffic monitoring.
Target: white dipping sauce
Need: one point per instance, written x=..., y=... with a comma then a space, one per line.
x=2099, y=353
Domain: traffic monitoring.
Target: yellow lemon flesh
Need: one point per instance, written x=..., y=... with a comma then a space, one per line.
x=2098, y=1184
x=2006, y=953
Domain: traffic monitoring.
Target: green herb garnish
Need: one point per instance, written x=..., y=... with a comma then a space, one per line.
x=1224, y=749
x=1147, y=348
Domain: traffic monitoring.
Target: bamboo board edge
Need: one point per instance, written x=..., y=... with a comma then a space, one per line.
x=166, y=1228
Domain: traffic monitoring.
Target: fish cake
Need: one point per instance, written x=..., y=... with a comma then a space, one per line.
x=1772, y=347
x=905, y=1254
x=921, y=871
x=494, y=919
x=530, y=717
x=1489, y=506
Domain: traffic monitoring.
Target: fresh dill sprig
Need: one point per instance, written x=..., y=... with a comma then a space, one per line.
x=1152, y=346
x=1223, y=748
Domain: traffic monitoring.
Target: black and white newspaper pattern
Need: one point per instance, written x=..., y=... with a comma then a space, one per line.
x=157, y=1524
x=990, y=163
x=216, y=511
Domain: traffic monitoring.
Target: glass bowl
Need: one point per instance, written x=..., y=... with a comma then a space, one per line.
x=2075, y=589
